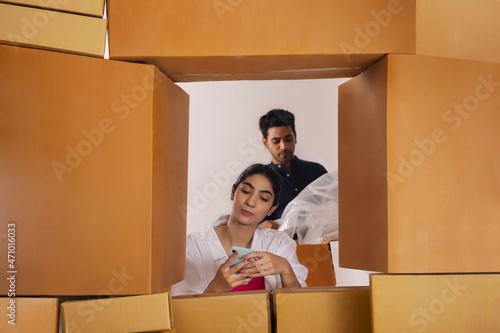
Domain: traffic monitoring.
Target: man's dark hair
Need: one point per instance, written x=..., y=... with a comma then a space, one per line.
x=276, y=118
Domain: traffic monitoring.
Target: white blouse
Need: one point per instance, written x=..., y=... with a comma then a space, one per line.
x=205, y=254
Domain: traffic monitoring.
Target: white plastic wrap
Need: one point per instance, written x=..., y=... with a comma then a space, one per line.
x=313, y=214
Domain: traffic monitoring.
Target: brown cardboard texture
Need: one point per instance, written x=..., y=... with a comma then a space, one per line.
x=33, y=314
x=460, y=29
x=318, y=261
x=51, y=30
x=248, y=40
x=83, y=7
x=419, y=188
x=225, y=312
x=94, y=174
x=145, y=313
x=332, y=309
x=435, y=303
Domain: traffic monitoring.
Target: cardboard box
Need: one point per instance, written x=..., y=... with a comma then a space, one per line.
x=33, y=314
x=94, y=174
x=333, y=309
x=51, y=30
x=459, y=29
x=318, y=261
x=83, y=7
x=225, y=312
x=435, y=303
x=242, y=40
x=146, y=313
x=418, y=166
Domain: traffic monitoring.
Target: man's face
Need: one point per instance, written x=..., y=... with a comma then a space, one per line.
x=281, y=144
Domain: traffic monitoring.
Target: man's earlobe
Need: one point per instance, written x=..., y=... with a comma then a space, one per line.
x=264, y=141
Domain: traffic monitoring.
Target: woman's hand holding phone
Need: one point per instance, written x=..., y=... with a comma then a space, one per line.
x=228, y=276
x=266, y=263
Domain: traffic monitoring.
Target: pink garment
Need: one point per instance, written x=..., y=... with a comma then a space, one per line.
x=254, y=284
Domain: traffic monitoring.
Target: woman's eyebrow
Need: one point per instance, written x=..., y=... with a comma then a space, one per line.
x=262, y=191
x=248, y=184
x=266, y=191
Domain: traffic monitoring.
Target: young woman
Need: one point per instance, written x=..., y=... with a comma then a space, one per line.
x=273, y=264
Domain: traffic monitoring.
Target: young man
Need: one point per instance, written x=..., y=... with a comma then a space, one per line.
x=279, y=136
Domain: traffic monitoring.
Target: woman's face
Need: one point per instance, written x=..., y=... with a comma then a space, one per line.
x=253, y=200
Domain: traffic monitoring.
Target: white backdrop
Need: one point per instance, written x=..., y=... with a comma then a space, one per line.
x=225, y=138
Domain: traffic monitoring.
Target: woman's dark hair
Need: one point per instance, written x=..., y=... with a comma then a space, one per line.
x=276, y=118
x=266, y=171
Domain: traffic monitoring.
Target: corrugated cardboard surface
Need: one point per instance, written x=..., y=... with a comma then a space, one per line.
x=426, y=201
x=459, y=29
x=225, y=312
x=334, y=309
x=362, y=167
x=84, y=7
x=260, y=39
x=318, y=261
x=33, y=314
x=435, y=303
x=94, y=173
x=47, y=29
x=147, y=313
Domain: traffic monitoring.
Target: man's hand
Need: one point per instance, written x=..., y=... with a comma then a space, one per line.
x=269, y=224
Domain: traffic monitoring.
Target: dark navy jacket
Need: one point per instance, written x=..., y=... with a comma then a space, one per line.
x=303, y=173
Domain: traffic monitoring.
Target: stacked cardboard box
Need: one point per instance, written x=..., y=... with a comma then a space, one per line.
x=410, y=156
x=241, y=40
x=95, y=152
x=83, y=7
x=435, y=303
x=94, y=175
x=317, y=258
x=29, y=314
x=145, y=313
x=332, y=309
x=419, y=183
x=329, y=309
x=228, y=312
x=459, y=29
x=51, y=27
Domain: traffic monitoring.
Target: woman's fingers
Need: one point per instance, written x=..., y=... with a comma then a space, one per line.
x=230, y=260
x=263, y=264
x=236, y=268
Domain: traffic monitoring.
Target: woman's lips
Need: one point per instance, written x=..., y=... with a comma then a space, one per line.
x=246, y=212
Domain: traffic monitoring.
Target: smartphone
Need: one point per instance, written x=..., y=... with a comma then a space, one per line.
x=242, y=251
